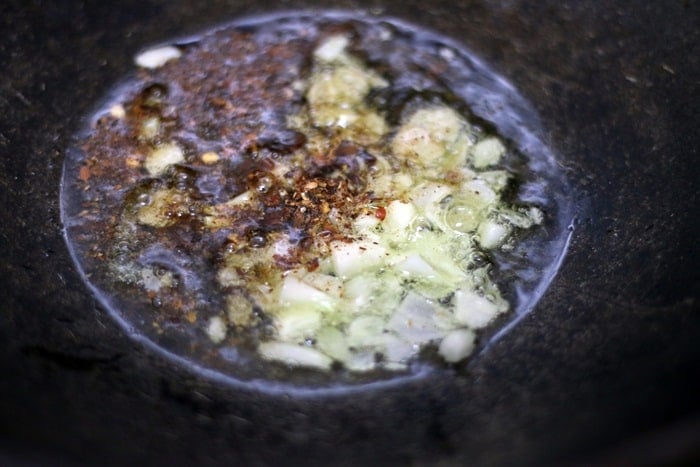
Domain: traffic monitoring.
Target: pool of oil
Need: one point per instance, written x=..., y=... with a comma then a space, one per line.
x=99, y=184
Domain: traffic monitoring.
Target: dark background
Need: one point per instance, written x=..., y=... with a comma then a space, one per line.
x=605, y=369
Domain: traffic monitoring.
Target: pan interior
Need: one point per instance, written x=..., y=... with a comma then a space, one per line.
x=422, y=68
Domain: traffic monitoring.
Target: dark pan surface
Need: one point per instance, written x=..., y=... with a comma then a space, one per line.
x=603, y=370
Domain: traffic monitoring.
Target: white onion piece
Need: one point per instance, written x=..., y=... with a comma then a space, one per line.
x=295, y=355
x=294, y=292
x=473, y=310
x=457, y=345
x=294, y=324
x=352, y=258
x=492, y=234
x=416, y=320
x=487, y=152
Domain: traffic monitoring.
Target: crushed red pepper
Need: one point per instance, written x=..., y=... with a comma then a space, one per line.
x=300, y=202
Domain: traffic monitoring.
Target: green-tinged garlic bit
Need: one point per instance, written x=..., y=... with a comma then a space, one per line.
x=155, y=58
x=342, y=87
x=294, y=323
x=522, y=218
x=479, y=193
x=332, y=342
x=419, y=320
x=436, y=135
x=360, y=291
x=163, y=157
x=366, y=331
x=354, y=257
x=494, y=231
x=536, y=215
x=492, y=234
x=487, y=152
x=330, y=285
x=469, y=207
x=457, y=345
x=216, y=329
x=431, y=200
x=295, y=292
x=385, y=181
x=363, y=360
x=463, y=217
x=415, y=266
x=368, y=129
x=336, y=94
x=373, y=292
x=475, y=311
x=397, y=351
x=438, y=250
x=496, y=179
x=162, y=208
x=427, y=196
x=415, y=142
x=295, y=355
x=239, y=311
x=228, y=276
x=391, y=186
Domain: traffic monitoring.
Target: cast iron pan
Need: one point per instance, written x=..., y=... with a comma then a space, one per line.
x=604, y=370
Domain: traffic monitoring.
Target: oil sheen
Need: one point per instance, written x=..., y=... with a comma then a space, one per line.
x=315, y=203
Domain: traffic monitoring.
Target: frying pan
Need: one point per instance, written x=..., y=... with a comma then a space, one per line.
x=604, y=370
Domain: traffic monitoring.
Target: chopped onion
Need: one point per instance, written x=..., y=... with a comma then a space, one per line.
x=487, y=152
x=492, y=234
x=457, y=345
x=416, y=320
x=352, y=258
x=294, y=324
x=295, y=355
x=399, y=215
x=473, y=310
x=294, y=292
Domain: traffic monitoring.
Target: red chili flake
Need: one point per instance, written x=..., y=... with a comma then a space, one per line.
x=454, y=176
x=380, y=213
x=312, y=265
x=84, y=174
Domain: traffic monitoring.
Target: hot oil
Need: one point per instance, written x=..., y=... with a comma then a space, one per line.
x=102, y=193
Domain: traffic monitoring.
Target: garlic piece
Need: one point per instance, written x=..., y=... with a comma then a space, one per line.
x=156, y=58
